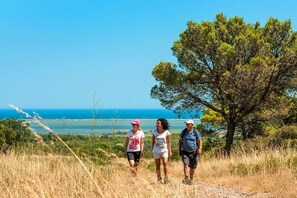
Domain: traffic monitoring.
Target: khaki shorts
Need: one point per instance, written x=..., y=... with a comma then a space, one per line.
x=160, y=155
x=190, y=159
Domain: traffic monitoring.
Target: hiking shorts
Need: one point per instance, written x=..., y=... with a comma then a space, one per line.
x=135, y=156
x=160, y=155
x=190, y=159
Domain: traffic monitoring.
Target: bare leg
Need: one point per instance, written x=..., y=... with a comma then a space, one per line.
x=132, y=167
x=132, y=164
x=135, y=166
x=186, y=170
x=165, y=165
x=158, y=163
x=192, y=173
x=186, y=173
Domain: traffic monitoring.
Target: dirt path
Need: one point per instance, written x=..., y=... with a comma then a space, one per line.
x=198, y=189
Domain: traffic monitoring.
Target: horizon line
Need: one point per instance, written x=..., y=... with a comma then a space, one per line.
x=111, y=108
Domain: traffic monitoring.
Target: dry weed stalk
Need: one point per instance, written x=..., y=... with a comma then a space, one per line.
x=58, y=137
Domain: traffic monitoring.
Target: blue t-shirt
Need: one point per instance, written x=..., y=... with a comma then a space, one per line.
x=189, y=140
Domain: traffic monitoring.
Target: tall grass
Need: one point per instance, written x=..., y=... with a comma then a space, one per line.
x=269, y=171
x=66, y=145
x=60, y=176
x=254, y=168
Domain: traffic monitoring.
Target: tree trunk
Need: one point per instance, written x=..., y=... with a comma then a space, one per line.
x=229, y=137
x=244, y=132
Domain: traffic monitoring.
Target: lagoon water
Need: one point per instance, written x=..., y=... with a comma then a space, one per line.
x=100, y=121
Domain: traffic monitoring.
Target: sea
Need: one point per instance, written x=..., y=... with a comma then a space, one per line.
x=98, y=121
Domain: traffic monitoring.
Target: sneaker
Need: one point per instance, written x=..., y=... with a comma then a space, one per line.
x=186, y=181
x=159, y=178
x=190, y=182
x=166, y=180
x=133, y=172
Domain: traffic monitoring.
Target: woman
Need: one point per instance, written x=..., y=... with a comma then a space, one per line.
x=134, y=146
x=161, y=147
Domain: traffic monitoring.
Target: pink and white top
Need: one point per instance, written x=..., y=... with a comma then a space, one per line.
x=134, y=140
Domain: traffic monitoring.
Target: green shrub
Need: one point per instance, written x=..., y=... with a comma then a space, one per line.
x=12, y=132
x=250, y=146
x=286, y=132
x=270, y=129
x=7, y=135
x=269, y=165
x=285, y=137
x=214, y=140
x=240, y=169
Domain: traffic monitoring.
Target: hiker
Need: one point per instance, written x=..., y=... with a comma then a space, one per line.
x=190, y=146
x=161, y=148
x=134, y=146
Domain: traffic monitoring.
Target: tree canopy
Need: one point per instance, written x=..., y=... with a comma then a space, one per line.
x=229, y=66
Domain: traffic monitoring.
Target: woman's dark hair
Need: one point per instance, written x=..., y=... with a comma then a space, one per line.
x=164, y=122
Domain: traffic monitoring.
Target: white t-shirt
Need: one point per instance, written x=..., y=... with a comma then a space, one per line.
x=134, y=140
x=160, y=145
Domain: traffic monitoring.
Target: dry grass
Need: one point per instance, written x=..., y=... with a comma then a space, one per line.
x=61, y=176
x=272, y=171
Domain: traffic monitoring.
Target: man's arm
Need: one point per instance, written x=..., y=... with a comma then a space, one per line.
x=179, y=145
x=199, y=143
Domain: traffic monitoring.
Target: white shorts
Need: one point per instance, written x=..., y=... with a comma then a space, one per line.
x=159, y=155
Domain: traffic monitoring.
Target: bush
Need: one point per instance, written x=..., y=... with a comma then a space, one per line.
x=270, y=164
x=7, y=136
x=12, y=132
x=285, y=136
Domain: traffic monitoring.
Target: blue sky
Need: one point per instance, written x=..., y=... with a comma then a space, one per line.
x=65, y=54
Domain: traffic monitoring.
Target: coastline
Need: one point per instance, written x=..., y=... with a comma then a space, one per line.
x=102, y=126
x=98, y=121
x=97, y=113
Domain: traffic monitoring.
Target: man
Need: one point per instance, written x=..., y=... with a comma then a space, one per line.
x=190, y=146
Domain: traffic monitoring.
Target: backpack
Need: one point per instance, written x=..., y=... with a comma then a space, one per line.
x=183, y=134
x=195, y=133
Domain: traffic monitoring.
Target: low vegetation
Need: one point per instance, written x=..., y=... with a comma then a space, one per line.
x=272, y=172
x=43, y=166
x=12, y=132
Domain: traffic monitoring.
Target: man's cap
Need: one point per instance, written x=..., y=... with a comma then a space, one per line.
x=189, y=122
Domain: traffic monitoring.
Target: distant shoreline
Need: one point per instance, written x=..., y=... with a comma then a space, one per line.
x=97, y=113
x=102, y=126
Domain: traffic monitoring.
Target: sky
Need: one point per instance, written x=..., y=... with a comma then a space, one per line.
x=101, y=53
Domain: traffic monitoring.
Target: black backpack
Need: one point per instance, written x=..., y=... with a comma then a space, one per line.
x=195, y=133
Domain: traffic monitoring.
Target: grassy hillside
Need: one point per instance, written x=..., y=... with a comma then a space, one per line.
x=23, y=175
x=42, y=166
